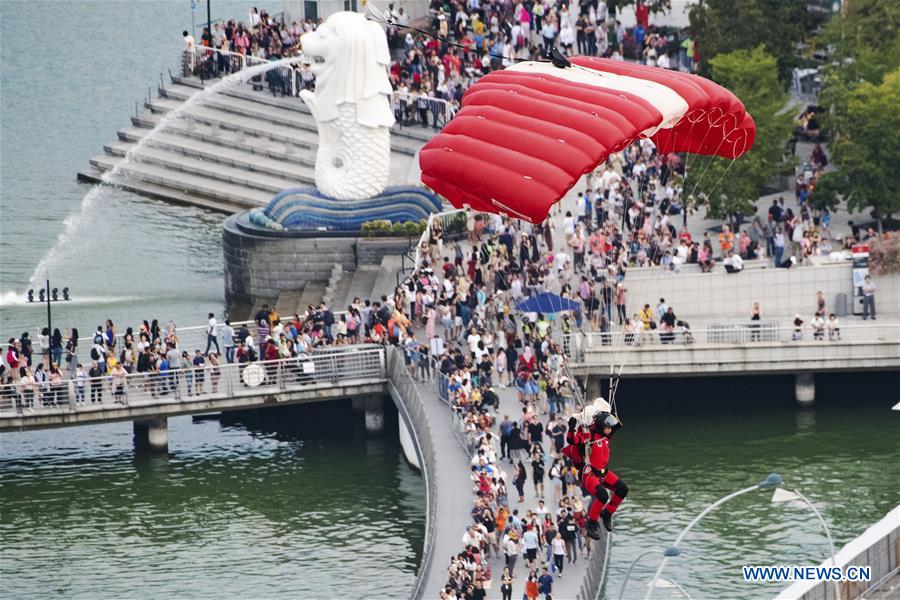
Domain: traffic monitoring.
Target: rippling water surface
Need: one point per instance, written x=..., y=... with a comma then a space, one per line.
x=289, y=503
x=688, y=442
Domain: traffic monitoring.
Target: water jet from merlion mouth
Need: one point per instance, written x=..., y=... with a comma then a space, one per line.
x=73, y=224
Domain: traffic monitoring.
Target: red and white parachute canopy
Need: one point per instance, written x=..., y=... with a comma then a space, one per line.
x=525, y=135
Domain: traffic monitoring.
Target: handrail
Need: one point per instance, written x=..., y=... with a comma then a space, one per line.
x=737, y=335
x=351, y=363
x=412, y=410
x=406, y=105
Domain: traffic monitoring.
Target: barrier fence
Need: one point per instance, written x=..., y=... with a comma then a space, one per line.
x=410, y=108
x=735, y=334
x=331, y=367
x=412, y=410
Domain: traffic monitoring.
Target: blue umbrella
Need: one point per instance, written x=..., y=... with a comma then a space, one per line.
x=547, y=303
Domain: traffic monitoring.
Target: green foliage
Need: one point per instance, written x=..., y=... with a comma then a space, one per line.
x=867, y=146
x=384, y=228
x=734, y=186
x=722, y=26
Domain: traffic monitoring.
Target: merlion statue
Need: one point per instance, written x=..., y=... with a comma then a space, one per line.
x=351, y=105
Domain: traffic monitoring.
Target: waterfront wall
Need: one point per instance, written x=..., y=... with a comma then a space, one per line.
x=258, y=267
x=878, y=547
x=780, y=292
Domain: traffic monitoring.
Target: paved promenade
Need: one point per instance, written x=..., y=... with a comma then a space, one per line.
x=455, y=502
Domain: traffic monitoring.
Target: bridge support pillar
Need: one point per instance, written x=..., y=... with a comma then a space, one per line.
x=152, y=434
x=374, y=415
x=805, y=388
x=593, y=388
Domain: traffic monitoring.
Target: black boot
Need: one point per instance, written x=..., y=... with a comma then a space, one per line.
x=593, y=529
x=607, y=519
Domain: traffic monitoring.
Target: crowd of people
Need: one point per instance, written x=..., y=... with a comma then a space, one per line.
x=456, y=43
x=550, y=533
x=462, y=41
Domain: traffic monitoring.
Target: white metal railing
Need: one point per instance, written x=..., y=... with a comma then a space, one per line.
x=409, y=107
x=739, y=334
x=331, y=367
x=446, y=220
x=208, y=63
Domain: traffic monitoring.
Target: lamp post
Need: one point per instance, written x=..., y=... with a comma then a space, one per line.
x=47, y=295
x=670, y=551
x=783, y=495
x=772, y=481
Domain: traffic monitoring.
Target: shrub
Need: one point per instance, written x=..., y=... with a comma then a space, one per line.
x=884, y=254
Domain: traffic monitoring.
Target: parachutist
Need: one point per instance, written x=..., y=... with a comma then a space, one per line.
x=557, y=58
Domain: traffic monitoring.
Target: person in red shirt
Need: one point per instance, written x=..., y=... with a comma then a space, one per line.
x=642, y=14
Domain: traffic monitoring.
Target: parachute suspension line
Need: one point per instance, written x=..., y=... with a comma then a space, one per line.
x=733, y=160
x=615, y=377
x=710, y=162
x=619, y=344
x=655, y=274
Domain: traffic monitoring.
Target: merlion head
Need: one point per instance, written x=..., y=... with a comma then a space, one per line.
x=349, y=56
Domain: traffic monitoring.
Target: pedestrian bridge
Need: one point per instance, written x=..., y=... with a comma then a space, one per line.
x=353, y=372
x=743, y=349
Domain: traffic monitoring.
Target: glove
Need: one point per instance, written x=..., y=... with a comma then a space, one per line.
x=573, y=423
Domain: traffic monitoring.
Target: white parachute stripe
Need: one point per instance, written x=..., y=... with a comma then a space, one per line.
x=666, y=100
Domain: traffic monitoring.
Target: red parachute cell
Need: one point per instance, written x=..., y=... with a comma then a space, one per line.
x=525, y=135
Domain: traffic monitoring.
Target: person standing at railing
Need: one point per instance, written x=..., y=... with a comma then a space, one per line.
x=29, y=389
x=228, y=341
x=212, y=334
x=79, y=377
x=95, y=373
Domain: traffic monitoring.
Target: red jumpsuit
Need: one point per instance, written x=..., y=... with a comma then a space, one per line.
x=598, y=476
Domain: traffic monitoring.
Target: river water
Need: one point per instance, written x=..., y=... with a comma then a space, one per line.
x=290, y=504
x=287, y=505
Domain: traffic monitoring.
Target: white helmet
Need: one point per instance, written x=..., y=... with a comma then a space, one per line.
x=587, y=415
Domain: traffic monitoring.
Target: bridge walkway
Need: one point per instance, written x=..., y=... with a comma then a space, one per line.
x=455, y=501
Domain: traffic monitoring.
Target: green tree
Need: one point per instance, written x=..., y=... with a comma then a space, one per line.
x=734, y=186
x=860, y=97
x=864, y=46
x=722, y=26
x=866, y=151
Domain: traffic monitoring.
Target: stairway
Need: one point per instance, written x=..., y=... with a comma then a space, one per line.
x=233, y=152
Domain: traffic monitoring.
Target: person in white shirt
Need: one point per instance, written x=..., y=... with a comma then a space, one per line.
x=212, y=334
x=663, y=61
x=733, y=263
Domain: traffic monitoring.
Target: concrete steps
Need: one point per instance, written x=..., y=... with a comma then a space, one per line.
x=289, y=303
x=236, y=196
x=146, y=187
x=387, y=278
x=212, y=142
x=182, y=85
x=361, y=284
x=312, y=294
x=201, y=168
x=234, y=151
